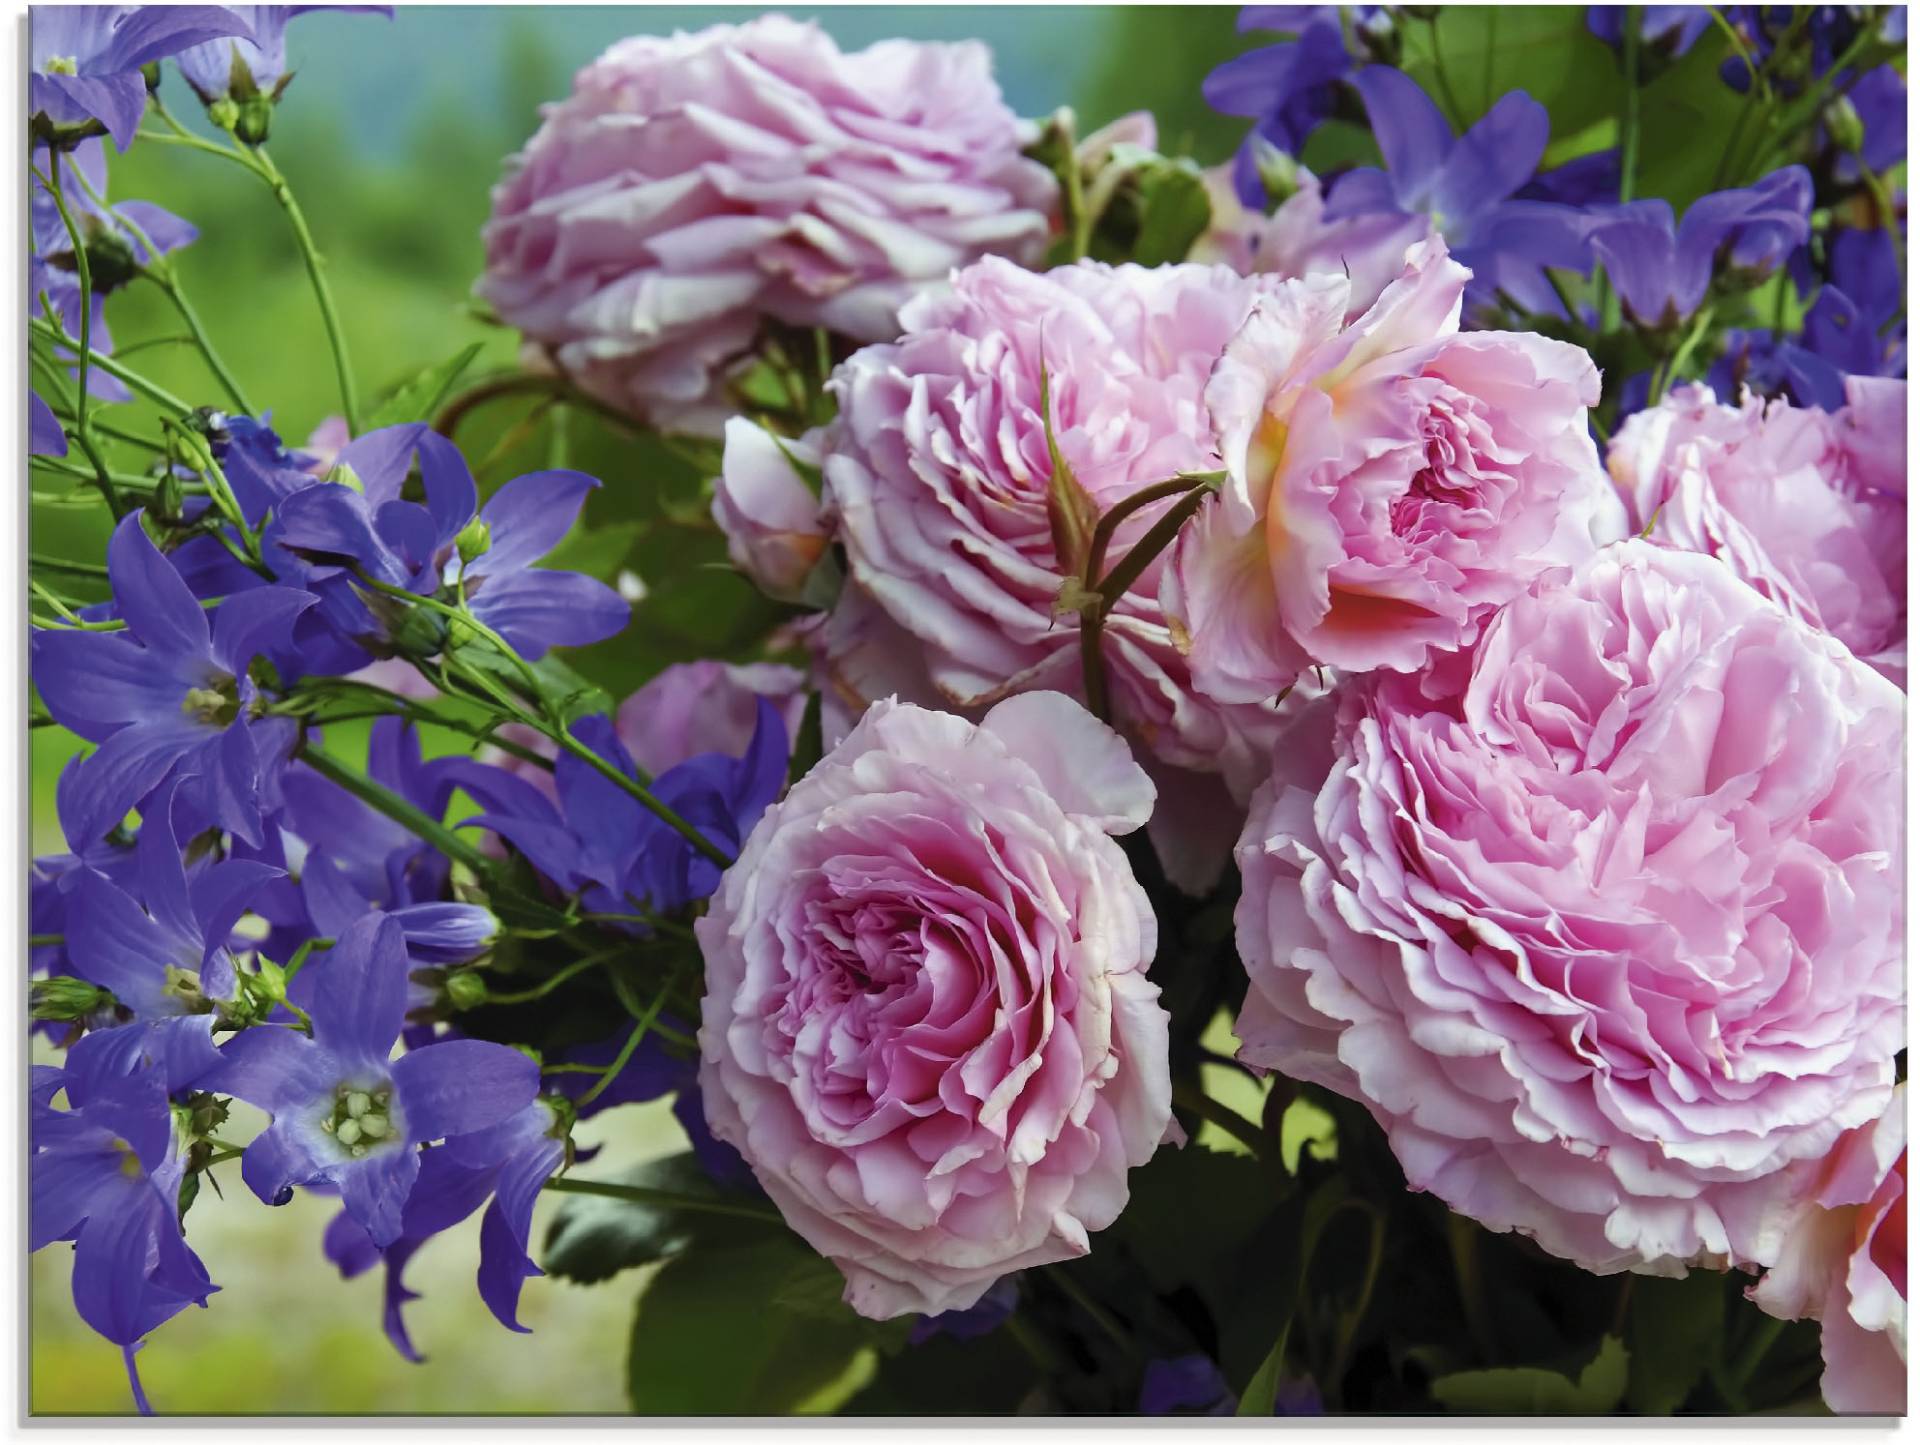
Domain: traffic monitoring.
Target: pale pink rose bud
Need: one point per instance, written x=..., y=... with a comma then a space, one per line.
x=770, y=516
x=694, y=185
x=1844, y=1263
x=1808, y=507
x=1607, y=935
x=927, y=1023
x=1390, y=481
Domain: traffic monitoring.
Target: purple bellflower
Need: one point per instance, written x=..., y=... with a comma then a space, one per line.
x=1465, y=186
x=1668, y=30
x=1289, y=87
x=329, y=532
x=106, y=1174
x=357, y=859
x=240, y=67
x=509, y=1162
x=1662, y=271
x=169, y=694
x=121, y=237
x=601, y=843
x=83, y=61
x=1185, y=1385
x=981, y=1318
x=343, y=1112
x=45, y=436
x=161, y=949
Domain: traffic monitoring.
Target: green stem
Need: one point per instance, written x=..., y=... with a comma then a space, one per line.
x=1127, y=571
x=1196, y=1100
x=528, y=995
x=1454, y=113
x=316, y=273
x=1111, y=519
x=229, y=383
x=1095, y=1311
x=60, y=564
x=665, y=1199
x=381, y=800
x=1630, y=102
x=1680, y=358
x=153, y=391
x=84, y=269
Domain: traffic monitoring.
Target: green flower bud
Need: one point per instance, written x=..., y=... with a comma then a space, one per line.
x=255, y=120
x=419, y=634
x=1844, y=125
x=150, y=72
x=466, y=989
x=224, y=114
x=168, y=498
x=65, y=1000
x=474, y=540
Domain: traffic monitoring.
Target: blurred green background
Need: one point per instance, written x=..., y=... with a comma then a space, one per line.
x=391, y=134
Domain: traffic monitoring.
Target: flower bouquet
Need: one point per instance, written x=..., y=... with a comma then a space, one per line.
x=1262, y=785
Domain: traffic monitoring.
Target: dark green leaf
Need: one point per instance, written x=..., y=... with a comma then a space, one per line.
x=707, y=1342
x=1174, y=210
x=593, y=1238
x=1675, y=1331
x=422, y=395
x=1258, y=1397
x=1527, y=1391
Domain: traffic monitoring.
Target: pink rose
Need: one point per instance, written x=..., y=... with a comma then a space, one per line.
x=1808, y=507
x=1390, y=482
x=770, y=516
x=927, y=1023
x=687, y=709
x=695, y=184
x=937, y=481
x=1606, y=934
x=1845, y=1264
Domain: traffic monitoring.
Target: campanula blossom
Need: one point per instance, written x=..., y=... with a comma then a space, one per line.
x=169, y=695
x=1467, y=187
x=160, y=946
x=600, y=842
x=45, y=436
x=105, y=1174
x=83, y=61
x=1662, y=270
x=332, y=534
x=240, y=67
x=343, y=1113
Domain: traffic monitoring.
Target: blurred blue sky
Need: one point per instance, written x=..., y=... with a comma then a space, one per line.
x=384, y=76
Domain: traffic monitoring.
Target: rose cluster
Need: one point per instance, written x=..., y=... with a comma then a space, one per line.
x=1422, y=617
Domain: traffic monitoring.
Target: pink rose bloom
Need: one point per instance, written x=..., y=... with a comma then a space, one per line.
x=687, y=709
x=1808, y=507
x=937, y=479
x=1390, y=482
x=1607, y=935
x=770, y=516
x=695, y=184
x=1845, y=1264
x=927, y=1022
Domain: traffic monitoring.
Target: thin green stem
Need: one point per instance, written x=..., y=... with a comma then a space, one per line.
x=83, y=268
x=1194, y=1099
x=316, y=273
x=665, y=1199
x=1158, y=537
x=572, y=970
x=1097, y=1312
x=384, y=801
x=229, y=383
x=60, y=564
x=1452, y=102
x=1630, y=102
x=619, y=1064
x=153, y=391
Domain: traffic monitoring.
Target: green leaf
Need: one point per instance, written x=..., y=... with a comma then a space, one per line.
x=1258, y=1397
x=1174, y=211
x=422, y=395
x=1072, y=514
x=1675, y=1332
x=706, y=1340
x=593, y=1238
x=1529, y=1391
